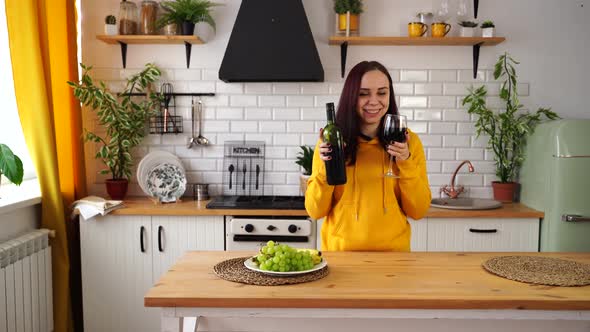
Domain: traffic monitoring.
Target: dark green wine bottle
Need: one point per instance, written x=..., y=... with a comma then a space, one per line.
x=335, y=167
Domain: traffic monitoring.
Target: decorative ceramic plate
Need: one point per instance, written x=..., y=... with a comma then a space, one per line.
x=166, y=182
x=249, y=264
x=151, y=160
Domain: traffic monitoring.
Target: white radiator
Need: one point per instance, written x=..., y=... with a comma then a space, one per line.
x=26, y=293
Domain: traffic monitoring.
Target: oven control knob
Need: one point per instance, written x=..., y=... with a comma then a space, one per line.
x=249, y=228
x=292, y=228
x=271, y=228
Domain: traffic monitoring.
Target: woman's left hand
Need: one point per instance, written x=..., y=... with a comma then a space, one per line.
x=400, y=151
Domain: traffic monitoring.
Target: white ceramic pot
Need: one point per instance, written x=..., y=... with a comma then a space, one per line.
x=110, y=29
x=467, y=32
x=204, y=31
x=488, y=32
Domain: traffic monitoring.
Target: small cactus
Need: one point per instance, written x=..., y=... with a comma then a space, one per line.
x=487, y=24
x=110, y=19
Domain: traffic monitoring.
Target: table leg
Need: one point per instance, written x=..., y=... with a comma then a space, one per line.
x=171, y=323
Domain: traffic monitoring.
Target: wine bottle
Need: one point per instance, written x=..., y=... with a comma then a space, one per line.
x=335, y=167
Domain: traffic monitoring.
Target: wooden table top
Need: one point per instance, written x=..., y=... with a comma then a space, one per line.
x=376, y=280
x=189, y=207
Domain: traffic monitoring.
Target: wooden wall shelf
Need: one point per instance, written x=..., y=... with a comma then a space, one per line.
x=475, y=42
x=124, y=40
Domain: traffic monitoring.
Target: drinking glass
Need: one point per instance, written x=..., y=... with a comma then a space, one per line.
x=394, y=130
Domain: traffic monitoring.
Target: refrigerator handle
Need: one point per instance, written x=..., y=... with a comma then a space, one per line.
x=574, y=218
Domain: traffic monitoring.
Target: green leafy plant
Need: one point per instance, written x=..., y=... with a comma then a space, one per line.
x=352, y=6
x=468, y=24
x=110, y=19
x=193, y=11
x=305, y=159
x=507, y=129
x=123, y=117
x=10, y=165
x=487, y=24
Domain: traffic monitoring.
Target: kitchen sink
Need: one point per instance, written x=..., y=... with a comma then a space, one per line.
x=465, y=203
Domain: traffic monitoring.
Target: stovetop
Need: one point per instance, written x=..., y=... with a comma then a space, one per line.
x=258, y=202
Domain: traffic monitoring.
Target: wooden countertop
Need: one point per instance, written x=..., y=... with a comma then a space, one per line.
x=189, y=207
x=376, y=280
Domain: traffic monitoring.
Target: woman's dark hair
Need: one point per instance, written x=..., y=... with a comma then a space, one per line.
x=346, y=116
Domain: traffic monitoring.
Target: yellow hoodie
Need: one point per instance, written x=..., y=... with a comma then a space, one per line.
x=369, y=211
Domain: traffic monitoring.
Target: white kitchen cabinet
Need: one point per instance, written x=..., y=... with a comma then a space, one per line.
x=419, y=239
x=482, y=234
x=121, y=260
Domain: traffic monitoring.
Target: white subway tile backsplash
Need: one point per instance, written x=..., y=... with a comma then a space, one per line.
x=433, y=167
x=418, y=127
x=272, y=126
x=314, y=89
x=271, y=152
x=174, y=139
x=285, y=190
x=203, y=165
x=321, y=101
x=286, y=114
x=313, y=113
x=152, y=139
x=286, y=88
x=489, y=178
x=484, y=167
x=213, y=151
x=226, y=113
x=493, y=89
x=293, y=178
x=183, y=152
x=428, y=115
x=407, y=112
x=300, y=101
x=187, y=74
x=430, y=89
x=244, y=126
x=456, y=89
x=489, y=155
x=470, y=154
x=230, y=88
x=495, y=102
x=438, y=180
x=522, y=88
x=443, y=75
x=243, y=100
x=442, y=128
x=286, y=165
x=467, y=76
x=266, y=138
x=286, y=139
x=210, y=74
x=403, y=89
x=292, y=152
x=274, y=178
x=441, y=154
x=271, y=101
x=479, y=142
x=442, y=102
x=310, y=139
x=258, y=88
x=216, y=126
x=410, y=102
x=394, y=73
x=258, y=114
x=414, y=75
x=300, y=126
x=336, y=88
x=196, y=86
x=456, y=115
x=456, y=141
x=217, y=100
x=480, y=192
x=465, y=128
x=222, y=138
x=431, y=140
x=469, y=179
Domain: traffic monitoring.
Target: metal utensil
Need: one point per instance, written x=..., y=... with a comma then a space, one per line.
x=257, y=174
x=244, y=178
x=192, y=140
x=231, y=169
x=201, y=140
x=167, y=91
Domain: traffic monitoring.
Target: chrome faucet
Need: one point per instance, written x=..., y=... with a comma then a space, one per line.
x=451, y=191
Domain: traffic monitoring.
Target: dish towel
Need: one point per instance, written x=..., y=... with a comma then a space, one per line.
x=92, y=206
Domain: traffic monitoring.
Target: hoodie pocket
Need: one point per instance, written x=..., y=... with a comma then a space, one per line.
x=343, y=214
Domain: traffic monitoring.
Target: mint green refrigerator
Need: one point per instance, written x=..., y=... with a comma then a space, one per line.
x=555, y=179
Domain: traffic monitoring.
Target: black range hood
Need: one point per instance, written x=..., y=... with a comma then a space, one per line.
x=271, y=42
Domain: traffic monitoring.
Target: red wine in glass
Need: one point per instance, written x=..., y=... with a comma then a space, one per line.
x=394, y=130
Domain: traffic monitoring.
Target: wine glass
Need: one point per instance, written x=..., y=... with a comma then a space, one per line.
x=394, y=130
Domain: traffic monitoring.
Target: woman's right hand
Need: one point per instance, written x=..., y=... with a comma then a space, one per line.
x=325, y=148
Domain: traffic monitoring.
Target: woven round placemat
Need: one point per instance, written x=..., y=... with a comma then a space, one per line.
x=234, y=270
x=540, y=270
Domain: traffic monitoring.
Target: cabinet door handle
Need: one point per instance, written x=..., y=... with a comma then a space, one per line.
x=475, y=230
x=141, y=231
x=574, y=218
x=160, y=229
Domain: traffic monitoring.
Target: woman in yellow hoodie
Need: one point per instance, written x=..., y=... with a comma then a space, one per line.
x=370, y=211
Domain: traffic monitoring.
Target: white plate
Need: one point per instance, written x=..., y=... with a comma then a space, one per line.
x=151, y=160
x=166, y=182
x=249, y=264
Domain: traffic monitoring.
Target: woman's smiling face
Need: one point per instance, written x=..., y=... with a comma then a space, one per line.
x=373, y=99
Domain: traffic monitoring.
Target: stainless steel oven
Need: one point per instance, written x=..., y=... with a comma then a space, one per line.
x=250, y=233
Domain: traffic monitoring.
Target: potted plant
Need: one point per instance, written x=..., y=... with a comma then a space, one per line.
x=187, y=13
x=305, y=160
x=508, y=129
x=488, y=29
x=467, y=28
x=348, y=16
x=124, y=120
x=10, y=165
x=110, y=25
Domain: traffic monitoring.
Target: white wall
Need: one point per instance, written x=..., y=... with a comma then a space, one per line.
x=18, y=221
x=549, y=38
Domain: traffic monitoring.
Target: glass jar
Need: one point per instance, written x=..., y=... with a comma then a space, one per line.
x=128, y=18
x=149, y=13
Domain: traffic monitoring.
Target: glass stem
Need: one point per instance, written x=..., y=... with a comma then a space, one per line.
x=390, y=171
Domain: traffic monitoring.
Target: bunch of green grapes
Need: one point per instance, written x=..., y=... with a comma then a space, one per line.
x=283, y=258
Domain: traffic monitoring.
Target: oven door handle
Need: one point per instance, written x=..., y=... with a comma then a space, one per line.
x=266, y=238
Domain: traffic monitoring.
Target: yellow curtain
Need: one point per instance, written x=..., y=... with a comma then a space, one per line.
x=42, y=36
